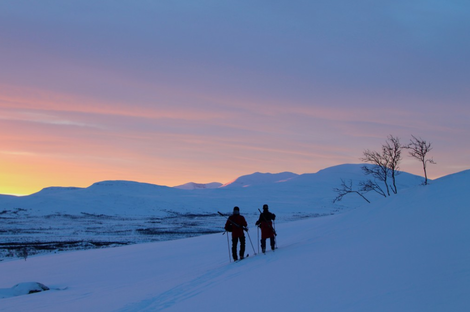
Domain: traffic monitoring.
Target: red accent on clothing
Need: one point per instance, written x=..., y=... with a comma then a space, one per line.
x=266, y=229
x=240, y=220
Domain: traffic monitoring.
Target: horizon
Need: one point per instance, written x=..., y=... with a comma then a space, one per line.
x=166, y=92
x=430, y=177
x=206, y=183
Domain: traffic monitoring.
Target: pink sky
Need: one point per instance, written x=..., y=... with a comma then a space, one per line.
x=177, y=91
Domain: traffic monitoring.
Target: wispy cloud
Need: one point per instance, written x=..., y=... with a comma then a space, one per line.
x=43, y=118
x=237, y=87
x=18, y=153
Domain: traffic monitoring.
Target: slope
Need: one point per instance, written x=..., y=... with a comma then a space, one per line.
x=259, y=178
x=405, y=253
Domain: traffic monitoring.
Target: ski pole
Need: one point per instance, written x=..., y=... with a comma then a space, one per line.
x=275, y=236
x=251, y=241
x=228, y=219
x=258, y=237
x=228, y=242
x=228, y=247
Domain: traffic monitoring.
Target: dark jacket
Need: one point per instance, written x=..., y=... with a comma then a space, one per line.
x=235, y=224
x=265, y=222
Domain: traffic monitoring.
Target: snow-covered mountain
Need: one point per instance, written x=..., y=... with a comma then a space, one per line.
x=407, y=252
x=259, y=178
x=286, y=192
x=198, y=186
x=114, y=213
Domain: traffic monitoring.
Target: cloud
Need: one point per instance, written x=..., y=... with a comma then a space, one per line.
x=31, y=116
x=166, y=89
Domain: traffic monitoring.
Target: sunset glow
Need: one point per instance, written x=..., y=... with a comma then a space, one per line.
x=169, y=92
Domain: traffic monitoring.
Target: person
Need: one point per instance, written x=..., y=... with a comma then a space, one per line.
x=265, y=222
x=236, y=224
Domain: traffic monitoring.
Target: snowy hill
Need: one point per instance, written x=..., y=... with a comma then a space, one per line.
x=408, y=252
x=259, y=178
x=106, y=197
x=198, y=186
x=115, y=213
x=288, y=192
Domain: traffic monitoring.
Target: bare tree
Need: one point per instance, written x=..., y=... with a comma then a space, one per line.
x=379, y=171
x=419, y=148
x=392, y=151
x=369, y=185
x=386, y=165
x=346, y=189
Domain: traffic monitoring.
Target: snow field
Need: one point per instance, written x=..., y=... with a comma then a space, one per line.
x=405, y=253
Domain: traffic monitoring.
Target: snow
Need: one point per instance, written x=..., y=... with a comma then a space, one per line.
x=311, y=192
x=196, y=186
x=408, y=252
x=23, y=289
x=111, y=213
x=258, y=178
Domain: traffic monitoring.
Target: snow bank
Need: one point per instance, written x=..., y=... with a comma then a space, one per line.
x=23, y=289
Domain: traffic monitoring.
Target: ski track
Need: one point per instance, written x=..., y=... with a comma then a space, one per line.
x=211, y=278
x=183, y=291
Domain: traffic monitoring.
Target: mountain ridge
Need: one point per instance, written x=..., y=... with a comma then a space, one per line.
x=288, y=192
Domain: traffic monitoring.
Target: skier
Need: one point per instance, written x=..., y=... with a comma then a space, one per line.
x=236, y=224
x=265, y=222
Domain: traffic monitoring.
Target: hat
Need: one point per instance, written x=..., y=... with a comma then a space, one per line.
x=236, y=210
x=265, y=207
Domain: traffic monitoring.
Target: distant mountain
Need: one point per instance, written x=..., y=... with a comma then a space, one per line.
x=198, y=186
x=259, y=178
x=287, y=193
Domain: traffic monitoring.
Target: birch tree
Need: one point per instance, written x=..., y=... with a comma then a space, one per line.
x=419, y=148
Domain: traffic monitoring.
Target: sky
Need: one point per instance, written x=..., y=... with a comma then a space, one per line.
x=170, y=92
